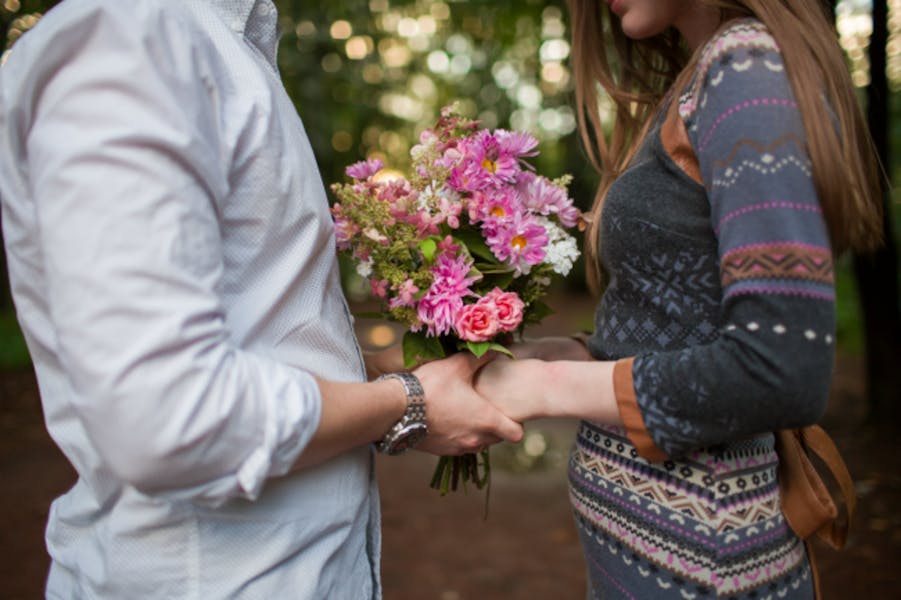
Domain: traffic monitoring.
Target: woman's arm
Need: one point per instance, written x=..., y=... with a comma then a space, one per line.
x=527, y=389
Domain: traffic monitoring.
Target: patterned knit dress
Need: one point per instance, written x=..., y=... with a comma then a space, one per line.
x=719, y=313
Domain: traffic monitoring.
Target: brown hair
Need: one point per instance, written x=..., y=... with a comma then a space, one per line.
x=636, y=75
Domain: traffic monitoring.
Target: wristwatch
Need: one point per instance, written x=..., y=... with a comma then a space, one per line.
x=412, y=427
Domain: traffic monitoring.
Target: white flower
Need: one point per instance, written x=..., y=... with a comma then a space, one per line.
x=433, y=194
x=364, y=268
x=373, y=234
x=562, y=250
x=418, y=151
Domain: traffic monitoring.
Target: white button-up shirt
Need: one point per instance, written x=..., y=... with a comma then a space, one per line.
x=172, y=263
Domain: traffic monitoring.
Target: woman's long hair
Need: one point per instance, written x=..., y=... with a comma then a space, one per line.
x=635, y=75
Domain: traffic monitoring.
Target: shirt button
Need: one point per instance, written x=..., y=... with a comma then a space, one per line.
x=237, y=25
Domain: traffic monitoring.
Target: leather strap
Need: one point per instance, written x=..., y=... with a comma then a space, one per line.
x=806, y=501
x=817, y=441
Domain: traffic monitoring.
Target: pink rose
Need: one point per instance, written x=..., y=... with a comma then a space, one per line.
x=508, y=305
x=477, y=322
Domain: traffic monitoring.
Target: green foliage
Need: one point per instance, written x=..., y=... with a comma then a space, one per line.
x=848, y=330
x=418, y=347
x=417, y=56
x=13, y=352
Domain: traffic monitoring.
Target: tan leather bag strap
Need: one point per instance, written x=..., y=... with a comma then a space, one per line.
x=817, y=441
x=806, y=501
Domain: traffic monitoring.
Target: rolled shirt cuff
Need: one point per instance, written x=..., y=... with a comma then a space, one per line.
x=293, y=414
x=630, y=413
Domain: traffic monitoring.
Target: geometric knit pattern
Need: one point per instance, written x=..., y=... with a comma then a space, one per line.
x=721, y=287
x=705, y=526
x=761, y=266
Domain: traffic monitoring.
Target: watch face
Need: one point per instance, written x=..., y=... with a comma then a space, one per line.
x=408, y=437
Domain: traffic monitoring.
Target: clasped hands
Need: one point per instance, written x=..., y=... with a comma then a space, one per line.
x=472, y=403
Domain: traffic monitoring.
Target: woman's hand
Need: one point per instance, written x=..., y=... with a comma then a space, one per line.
x=516, y=387
x=525, y=389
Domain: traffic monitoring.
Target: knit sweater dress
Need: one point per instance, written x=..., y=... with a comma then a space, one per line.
x=719, y=313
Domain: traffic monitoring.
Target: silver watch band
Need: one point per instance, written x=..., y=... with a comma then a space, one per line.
x=413, y=419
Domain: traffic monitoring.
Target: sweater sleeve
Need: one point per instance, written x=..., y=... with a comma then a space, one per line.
x=770, y=367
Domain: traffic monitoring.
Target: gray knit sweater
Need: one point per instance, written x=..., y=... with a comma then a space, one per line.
x=720, y=297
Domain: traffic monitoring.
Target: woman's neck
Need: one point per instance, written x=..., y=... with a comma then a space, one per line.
x=698, y=25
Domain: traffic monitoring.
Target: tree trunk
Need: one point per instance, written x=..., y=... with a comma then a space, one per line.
x=877, y=274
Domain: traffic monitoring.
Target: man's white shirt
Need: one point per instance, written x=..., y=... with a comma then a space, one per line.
x=172, y=263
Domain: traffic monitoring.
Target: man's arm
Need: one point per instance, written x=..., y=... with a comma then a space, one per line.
x=459, y=419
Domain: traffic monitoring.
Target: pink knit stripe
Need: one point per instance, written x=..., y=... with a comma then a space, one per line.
x=774, y=204
x=751, y=103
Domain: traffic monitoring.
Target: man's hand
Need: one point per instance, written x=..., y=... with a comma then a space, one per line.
x=460, y=420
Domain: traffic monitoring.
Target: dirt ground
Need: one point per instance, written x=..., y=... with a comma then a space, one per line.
x=441, y=547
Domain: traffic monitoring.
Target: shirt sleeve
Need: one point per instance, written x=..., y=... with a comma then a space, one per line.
x=126, y=167
x=770, y=367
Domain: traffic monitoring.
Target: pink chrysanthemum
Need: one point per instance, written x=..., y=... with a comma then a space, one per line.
x=492, y=207
x=519, y=241
x=540, y=195
x=451, y=283
x=364, y=169
x=483, y=164
x=516, y=143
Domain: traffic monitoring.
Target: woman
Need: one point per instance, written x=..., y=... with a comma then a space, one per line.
x=737, y=165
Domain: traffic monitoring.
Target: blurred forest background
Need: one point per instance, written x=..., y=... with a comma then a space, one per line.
x=368, y=75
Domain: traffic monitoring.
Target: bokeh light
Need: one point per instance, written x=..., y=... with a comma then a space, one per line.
x=382, y=336
x=341, y=30
x=358, y=47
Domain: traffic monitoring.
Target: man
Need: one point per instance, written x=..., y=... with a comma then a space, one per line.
x=171, y=259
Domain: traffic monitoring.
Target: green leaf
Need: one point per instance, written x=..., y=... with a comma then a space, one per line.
x=476, y=245
x=478, y=348
x=501, y=349
x=494, y=269
x=418, y=347
x=503, y=280
x=536, y=311
x=428, y=247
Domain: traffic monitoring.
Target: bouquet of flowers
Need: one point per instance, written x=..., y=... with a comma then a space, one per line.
x=462, y=250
